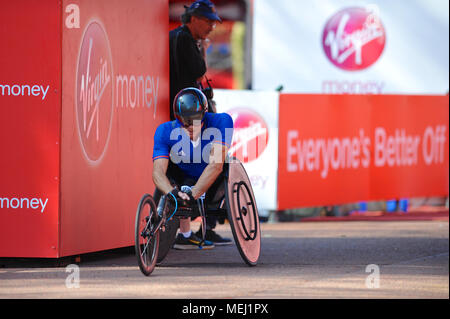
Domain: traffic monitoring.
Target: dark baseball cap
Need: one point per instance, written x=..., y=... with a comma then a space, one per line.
x=204, y=8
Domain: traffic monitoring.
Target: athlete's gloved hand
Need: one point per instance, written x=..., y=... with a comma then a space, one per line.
x=188, y=190
x=182, y=202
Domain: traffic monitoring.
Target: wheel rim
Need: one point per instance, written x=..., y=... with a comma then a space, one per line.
x=168, y=234
x=147, y=236
x=247, y=210
x=243, y=213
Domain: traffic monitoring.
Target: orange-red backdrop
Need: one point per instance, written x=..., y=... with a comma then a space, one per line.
x=103, y=176
x=84, y=150
x=30, y=61
x=346, y=148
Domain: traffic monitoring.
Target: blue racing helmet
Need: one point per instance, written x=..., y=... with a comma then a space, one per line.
x=190, y=105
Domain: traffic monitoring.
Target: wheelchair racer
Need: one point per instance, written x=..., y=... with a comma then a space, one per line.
x=190, y=151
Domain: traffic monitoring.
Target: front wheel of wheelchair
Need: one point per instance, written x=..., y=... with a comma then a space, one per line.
x=168, y=235
x=146, y=235
x=243, y=213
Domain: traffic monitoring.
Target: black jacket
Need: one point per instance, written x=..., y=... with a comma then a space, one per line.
x=186, y=62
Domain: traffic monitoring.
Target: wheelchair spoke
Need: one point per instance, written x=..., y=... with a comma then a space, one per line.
x=146, y=239
x=241, y=189
x=145, y=248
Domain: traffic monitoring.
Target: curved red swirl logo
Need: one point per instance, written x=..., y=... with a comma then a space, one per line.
x=94, y=92
x=250, y=136
x=354, y=38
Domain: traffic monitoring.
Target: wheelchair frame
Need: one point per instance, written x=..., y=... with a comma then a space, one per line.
x=156, y=226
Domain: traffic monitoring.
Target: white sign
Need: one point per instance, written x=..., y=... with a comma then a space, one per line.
x=351, y=47
x=255, y=138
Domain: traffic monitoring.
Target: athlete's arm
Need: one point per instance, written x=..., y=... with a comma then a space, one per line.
x=160, y=178
x=212, y=171
x=161, y=162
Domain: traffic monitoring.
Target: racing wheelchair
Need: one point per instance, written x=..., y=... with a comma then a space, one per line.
x=157, y=218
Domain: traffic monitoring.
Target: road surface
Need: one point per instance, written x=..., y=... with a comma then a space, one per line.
x=400, y=259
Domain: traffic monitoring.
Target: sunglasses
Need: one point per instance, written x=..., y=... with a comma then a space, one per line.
x=193, y=121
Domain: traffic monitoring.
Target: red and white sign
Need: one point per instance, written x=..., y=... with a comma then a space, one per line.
x=30, y=127
x=250, y=135
x=343, y=149
x=77, y=118
x=354, y=38
x=120, y=91
x=255, y=138
x=94, y=89
x=351, y=47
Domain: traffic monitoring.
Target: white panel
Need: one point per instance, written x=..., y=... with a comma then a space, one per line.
x=262, y=109
x=288, y=49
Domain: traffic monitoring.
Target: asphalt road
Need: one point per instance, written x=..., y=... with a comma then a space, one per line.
x=406, y=259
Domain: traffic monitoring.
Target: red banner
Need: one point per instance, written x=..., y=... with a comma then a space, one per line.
x=345, y=148
x=30, y=97
x=83, y=87
x=115, y=94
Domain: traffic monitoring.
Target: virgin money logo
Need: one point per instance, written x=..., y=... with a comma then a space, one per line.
x=94, y=92
x=250, y=136
x=354, y=38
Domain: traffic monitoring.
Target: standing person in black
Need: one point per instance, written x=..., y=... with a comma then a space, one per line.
x=187, y=46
